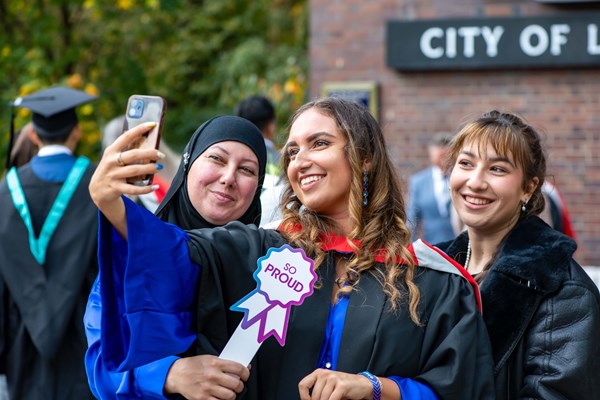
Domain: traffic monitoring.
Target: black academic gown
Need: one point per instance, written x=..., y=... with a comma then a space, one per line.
x=42, y=340
x=450, y=352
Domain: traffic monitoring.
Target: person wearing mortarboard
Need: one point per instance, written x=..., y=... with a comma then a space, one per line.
x=48, y=226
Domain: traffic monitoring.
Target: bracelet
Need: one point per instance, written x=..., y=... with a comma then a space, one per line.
x=375, y=382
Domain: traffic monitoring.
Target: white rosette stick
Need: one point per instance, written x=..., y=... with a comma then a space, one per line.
x=285, y=277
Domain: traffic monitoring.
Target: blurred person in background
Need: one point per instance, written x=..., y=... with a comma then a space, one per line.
x=429, y=206
x=23, y=148
x=48, y=263
x=556, y=214
x=261, y=112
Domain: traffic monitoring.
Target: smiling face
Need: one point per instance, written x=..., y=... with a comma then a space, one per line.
x=488, y=189
x=222, y=181
x=319, y=171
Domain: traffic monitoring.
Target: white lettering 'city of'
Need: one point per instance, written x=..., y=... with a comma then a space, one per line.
x=534, y=40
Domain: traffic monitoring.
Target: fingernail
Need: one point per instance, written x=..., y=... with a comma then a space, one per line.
x=160, y=154
x=150, y=124
x=159, y=166
x=155, y=187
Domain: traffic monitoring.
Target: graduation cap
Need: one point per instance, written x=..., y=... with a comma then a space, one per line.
x=53, y=111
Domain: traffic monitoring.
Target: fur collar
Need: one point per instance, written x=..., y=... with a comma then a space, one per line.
x=533, y=262
x=531, y=249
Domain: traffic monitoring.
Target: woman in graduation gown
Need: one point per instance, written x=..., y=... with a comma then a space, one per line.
x=387, y=320
x=226, y=156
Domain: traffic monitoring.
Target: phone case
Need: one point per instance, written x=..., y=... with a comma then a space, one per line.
x=142, y=109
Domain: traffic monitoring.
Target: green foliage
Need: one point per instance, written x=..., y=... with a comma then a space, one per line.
x=202, y=56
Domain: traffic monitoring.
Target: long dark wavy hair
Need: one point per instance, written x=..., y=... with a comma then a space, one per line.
x=380, y=225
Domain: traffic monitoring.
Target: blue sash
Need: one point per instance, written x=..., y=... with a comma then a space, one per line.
x=39, y=245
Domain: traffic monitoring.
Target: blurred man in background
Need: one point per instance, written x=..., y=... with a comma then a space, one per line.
x=429, y=204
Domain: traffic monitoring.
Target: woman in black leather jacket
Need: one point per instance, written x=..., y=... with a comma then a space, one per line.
x=541, y=309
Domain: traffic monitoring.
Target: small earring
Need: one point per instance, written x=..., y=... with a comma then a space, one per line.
x=523, y=208
x=365, y=187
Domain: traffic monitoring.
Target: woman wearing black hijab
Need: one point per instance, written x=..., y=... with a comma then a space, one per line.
x=219, y=180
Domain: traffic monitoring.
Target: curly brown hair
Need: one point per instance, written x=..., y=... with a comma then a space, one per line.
x=379, y=226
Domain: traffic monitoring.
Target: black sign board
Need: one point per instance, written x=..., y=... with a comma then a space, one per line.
x=476, y=43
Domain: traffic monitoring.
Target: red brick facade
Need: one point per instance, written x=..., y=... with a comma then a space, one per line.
x=347, y=43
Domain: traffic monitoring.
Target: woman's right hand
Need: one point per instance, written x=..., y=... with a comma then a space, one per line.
x=206, y=377
x=109, y=181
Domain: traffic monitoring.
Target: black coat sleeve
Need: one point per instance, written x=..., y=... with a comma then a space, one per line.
x=562, y=347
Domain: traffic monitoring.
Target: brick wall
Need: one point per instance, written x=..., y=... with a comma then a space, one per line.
x=348, y=44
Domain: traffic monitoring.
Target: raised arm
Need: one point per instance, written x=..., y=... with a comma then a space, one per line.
x=147, y=287
x=109, y=181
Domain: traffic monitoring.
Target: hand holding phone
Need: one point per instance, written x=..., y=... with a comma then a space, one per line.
x=142, y=109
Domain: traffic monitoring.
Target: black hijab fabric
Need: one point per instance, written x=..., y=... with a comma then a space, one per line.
x=176, y=207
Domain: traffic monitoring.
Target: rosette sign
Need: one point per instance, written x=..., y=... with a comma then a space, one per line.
x=284, y=277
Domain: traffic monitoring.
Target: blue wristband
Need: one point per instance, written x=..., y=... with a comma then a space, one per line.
x=375, y=382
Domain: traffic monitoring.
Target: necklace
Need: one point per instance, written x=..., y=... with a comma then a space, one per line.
x=341, y=280
x=468, y=255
